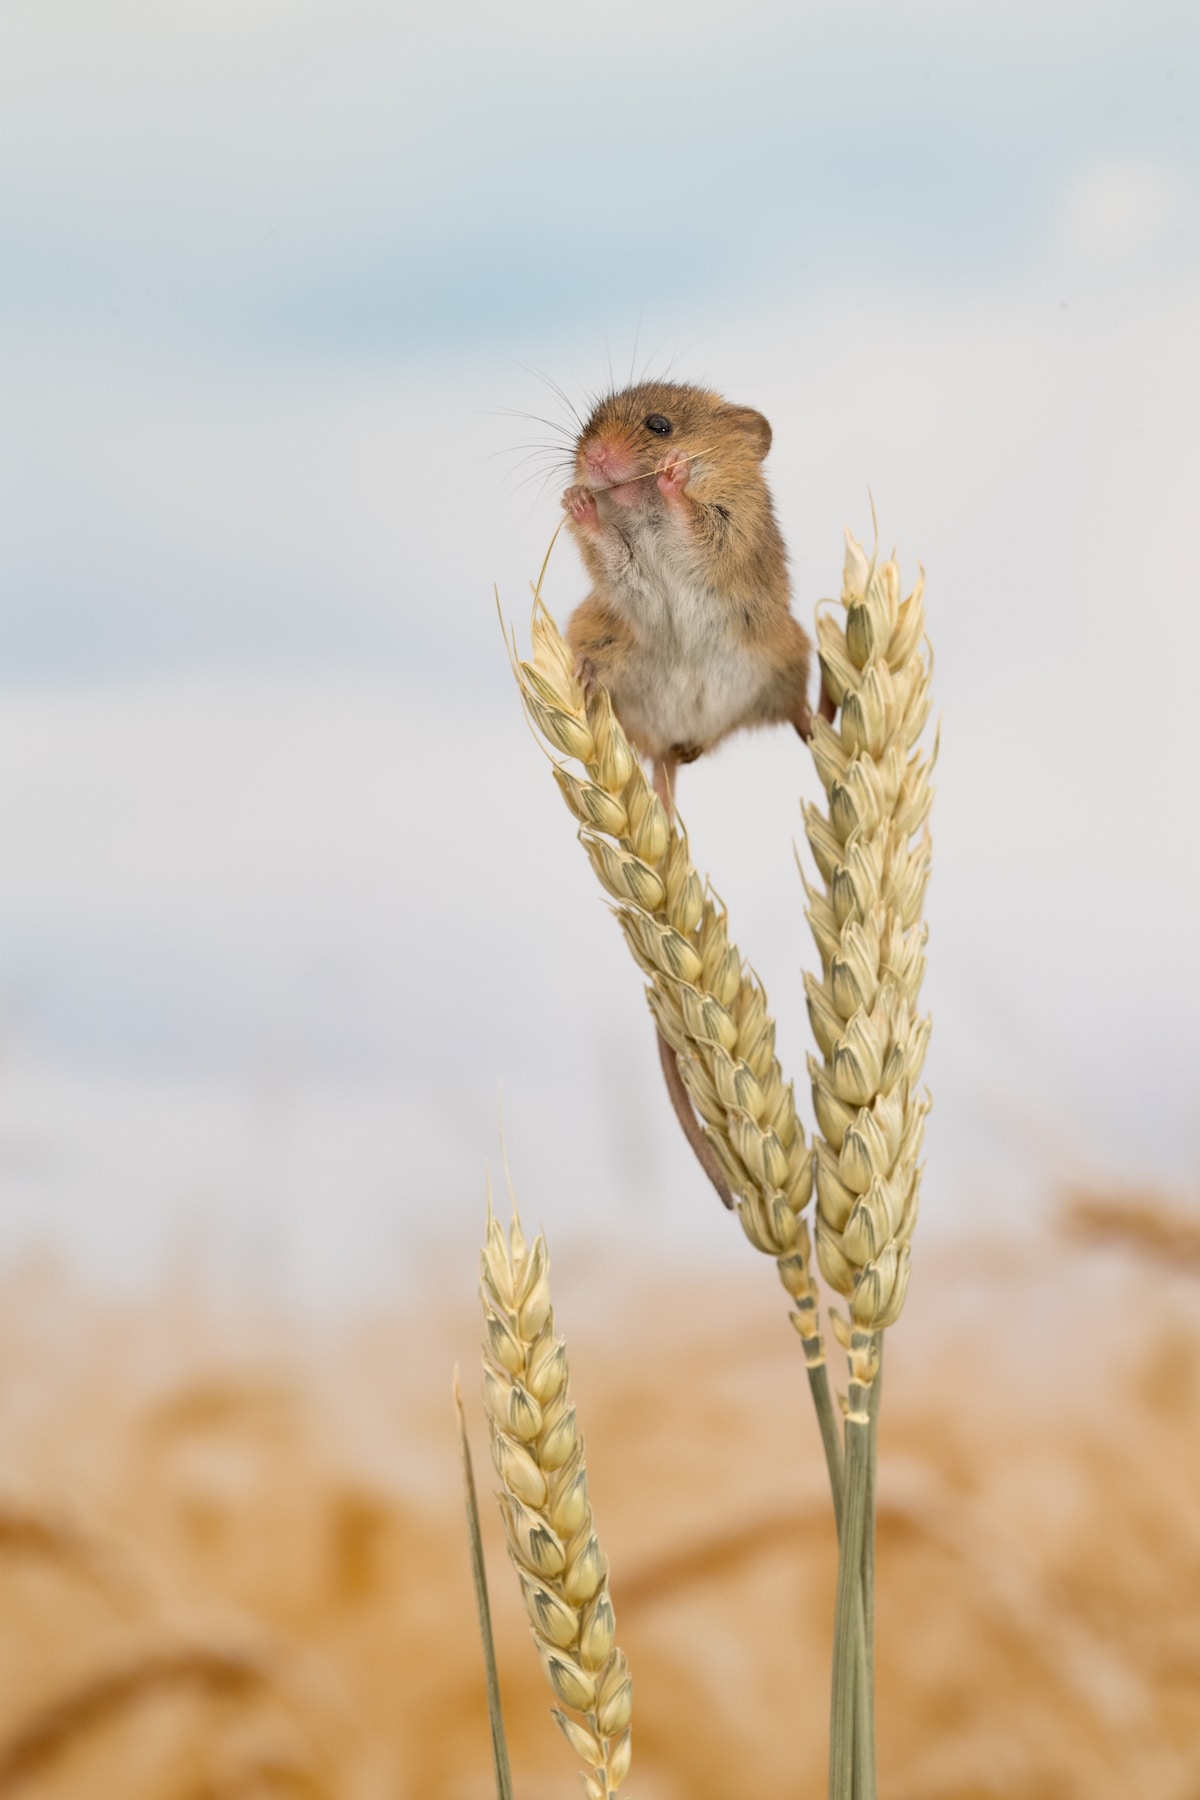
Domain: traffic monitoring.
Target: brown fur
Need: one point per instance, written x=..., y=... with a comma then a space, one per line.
x=690, y=581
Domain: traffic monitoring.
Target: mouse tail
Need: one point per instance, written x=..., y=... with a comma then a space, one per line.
x=692, y=1131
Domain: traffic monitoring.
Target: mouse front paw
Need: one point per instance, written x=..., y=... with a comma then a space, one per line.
x=672, y=474
x=579, y=503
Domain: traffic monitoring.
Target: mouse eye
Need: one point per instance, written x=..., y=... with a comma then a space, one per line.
x=658, y=425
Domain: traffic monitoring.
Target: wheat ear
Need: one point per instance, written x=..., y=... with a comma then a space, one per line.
x=868, y=928
x=538, y=1455
x=707, y=1004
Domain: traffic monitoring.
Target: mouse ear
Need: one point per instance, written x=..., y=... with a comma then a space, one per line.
x=755, y=427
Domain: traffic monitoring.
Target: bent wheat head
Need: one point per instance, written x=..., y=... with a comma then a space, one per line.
x=708, y=1006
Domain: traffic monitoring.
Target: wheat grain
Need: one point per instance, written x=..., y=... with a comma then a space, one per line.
x=538, y=1455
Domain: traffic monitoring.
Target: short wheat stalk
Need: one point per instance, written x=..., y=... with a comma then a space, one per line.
x=538, y=1455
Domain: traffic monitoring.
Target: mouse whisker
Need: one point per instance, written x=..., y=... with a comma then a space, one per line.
x=555, y=388
x=544, y=481
x=560, y=430
x=526, y=451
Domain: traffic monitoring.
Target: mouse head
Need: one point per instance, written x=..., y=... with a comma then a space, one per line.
x=629, y=434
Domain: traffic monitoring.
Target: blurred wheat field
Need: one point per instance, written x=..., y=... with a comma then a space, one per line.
x=233, y=1563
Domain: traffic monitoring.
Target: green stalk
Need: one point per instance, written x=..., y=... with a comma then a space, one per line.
x=864, y=1682
x=864, y=1694
x=500, y=1766
x=831, y=1440
x=818, y=1382
x=868, y=1561
x=864, y=1749
x=850, y=1726
x=869, y=1346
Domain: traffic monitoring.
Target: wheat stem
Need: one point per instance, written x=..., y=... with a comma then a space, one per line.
x=868, y=1560
x=831, y=1441
x=864, y=1711
x=500, y=1764
x=849, y=1723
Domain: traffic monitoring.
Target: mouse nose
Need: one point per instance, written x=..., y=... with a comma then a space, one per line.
x=596, y=457
x=606, y=463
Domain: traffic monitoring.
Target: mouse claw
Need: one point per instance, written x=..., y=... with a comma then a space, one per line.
x=579, y=503
x=673, y=472
x=587, y=675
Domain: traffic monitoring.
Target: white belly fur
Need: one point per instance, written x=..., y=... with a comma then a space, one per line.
x=695, y=677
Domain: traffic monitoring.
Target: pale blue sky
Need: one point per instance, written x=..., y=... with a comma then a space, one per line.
x=212, y=214
x=293, y=179
x=274, y=280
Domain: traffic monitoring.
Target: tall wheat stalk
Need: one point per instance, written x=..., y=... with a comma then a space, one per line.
x=866, y=918
x=867, y=922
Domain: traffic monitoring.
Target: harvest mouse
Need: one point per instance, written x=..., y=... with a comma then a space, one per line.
x=688, y=623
